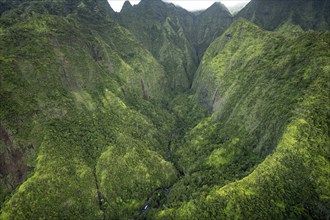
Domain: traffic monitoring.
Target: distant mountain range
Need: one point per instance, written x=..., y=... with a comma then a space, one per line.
x=236, y=8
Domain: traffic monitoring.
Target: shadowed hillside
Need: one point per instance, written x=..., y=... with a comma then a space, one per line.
x=270, y=14
x=177, y=38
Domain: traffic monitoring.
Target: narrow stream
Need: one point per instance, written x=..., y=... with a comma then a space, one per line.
x=168, y=153
x=99, y=194
x=154, y=196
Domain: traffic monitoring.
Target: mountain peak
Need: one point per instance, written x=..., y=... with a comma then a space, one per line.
x=152, y=3
x=149, y=1
x=217, y=7
x=127, y=6
x=216, y=4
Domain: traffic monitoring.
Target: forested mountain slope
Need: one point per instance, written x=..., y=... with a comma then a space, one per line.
x=263, y=151
x=163, y=29
x=209, y=25
x=177, y=38
x=75, y=116
x=270, y=14
x=159, y=113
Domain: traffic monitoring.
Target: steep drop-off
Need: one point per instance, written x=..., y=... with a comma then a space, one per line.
x=209, y=25
x=73, y=86
x=102, y=122
x=177, y=38
x=270, y=14
x=163, y=28
x=263, y=151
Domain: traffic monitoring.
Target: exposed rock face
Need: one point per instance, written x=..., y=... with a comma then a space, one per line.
x=12, y=161
x=13, y=167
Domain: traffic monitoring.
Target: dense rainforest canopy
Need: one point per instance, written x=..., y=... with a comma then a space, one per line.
x=160, y=113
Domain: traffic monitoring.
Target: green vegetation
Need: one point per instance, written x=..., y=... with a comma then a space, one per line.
x=305, y=13
x=65, y=111
x=163, y=30
x=97, y=122
x=209, y=25
x=176, y=37
x=266, y=136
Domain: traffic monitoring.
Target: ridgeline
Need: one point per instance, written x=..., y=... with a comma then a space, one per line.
x=159, y=113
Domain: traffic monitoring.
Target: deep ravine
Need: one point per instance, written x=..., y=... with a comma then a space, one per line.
x=99, y=194
x=92, y=109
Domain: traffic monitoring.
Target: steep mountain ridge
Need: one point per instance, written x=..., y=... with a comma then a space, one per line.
x=209, y=25
x=176, y=37
x=308, y=14
x=63, y=111
x=162, y=28
x=256, y=145
x=126, y=6
x=94, y=124
x=60, y=7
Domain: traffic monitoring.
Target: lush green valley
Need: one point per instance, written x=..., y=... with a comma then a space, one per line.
x=266, y=136
x=177, y=38
x=159, y=113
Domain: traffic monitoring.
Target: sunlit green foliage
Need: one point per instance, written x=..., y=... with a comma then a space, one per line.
x=90, y=127
x=75, y=107
x=267, y=94
x=164, y=29
x=177, y=38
